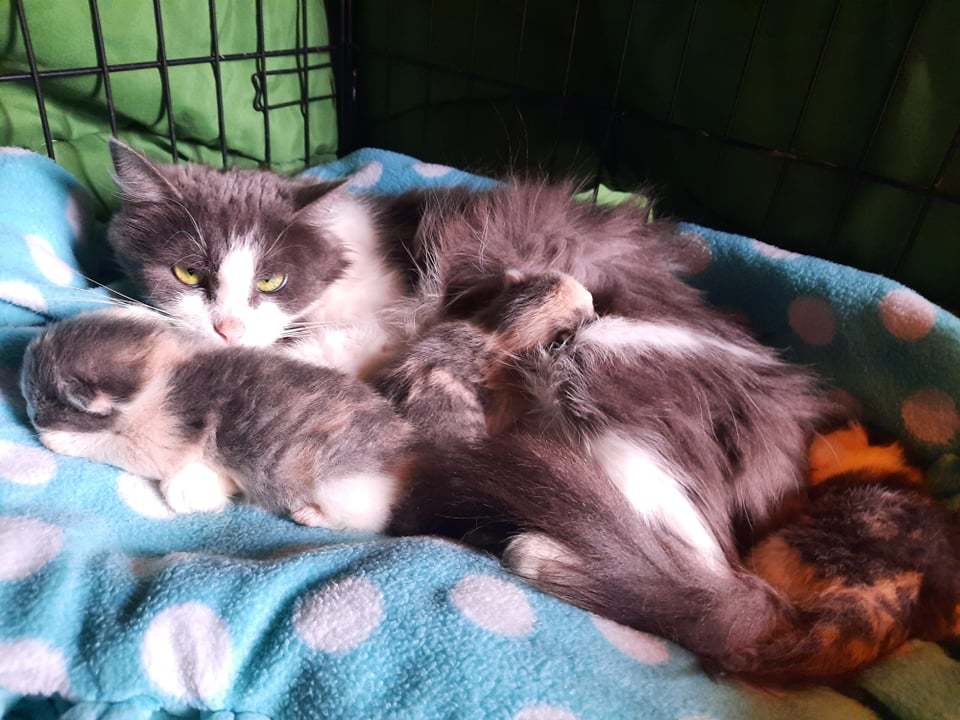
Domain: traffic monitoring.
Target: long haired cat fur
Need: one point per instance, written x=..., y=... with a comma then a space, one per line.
x=689, y=426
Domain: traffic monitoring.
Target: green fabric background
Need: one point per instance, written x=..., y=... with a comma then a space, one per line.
x=62, y=36
x=748, y=68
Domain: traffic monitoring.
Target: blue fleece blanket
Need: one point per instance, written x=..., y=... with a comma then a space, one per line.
x=112, y=607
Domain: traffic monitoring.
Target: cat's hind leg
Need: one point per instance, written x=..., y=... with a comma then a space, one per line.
x=355, y=501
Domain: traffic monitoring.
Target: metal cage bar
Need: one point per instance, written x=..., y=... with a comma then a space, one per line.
x=565, y=88
x=261, y=75
x=165, y=81
x=102, y=62
x=801, y=116
x=35, y=77
x=303, y=74
x=683, y=60
x=217, y=81
x=856, y=179
x=428, y=90
x=614, y=99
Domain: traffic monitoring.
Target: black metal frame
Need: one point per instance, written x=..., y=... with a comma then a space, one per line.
x=339, y=50
x=343, y=51
x=611, y=112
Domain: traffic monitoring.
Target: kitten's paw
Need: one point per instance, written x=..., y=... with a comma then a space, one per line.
x=542, y=309
x=311, y=516
x=535, y=556
x=196, y=488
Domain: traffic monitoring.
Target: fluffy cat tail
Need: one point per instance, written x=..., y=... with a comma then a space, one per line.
x=564, y=527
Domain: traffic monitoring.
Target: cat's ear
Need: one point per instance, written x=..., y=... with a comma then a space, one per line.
x=139, y=179
x=310, y=196
x=84, y=397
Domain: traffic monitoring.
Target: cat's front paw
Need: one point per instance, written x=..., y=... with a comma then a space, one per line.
x=196, y=487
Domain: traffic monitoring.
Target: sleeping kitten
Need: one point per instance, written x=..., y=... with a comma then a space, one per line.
x=124, y=387
x=869, y=562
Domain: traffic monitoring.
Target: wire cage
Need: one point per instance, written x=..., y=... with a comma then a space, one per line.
x=828, y=127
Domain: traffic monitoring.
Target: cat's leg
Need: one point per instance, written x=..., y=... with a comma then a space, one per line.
x=197, y=487
x=354, y=501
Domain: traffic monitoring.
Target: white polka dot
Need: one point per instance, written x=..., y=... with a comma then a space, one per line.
x=53, y=268
x=21, y=293
x=696, y=252
x=366, y=177
x=906, y=315
x=187, y=653
x=15, y=151
x=812, y=319
x=431, y=170
x=542, y=711
x=648, y=649
x=78, y=214
x=26, y=545
x=931, y=416
x=143, y=497
x=494, y=604
x=32, y=667
x=340, y=616
x=773, y=252
x=25, y=464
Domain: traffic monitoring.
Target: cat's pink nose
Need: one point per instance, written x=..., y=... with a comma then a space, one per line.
x=230, y=329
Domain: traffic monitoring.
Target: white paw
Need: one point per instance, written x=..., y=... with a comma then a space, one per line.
x=196, y=488
x=534, y=556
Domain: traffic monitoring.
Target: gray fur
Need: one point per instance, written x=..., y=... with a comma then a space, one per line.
x=276, y=427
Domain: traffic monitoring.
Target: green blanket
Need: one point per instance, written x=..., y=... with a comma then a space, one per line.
x=63, y=36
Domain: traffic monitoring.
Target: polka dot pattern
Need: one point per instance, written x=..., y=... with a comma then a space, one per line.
x=773, y=252
x=24, y=294
x=187, y=653
x=431, y=170
x=906, y=315
x=813, y=320
x=543, y=711
x=26, y=464
x=644, y=648
x=367, y=177
x=46, y=260
x=931, y=416
x=32, y=667
x=339, y=617
x=26, y=545
x=494, y=604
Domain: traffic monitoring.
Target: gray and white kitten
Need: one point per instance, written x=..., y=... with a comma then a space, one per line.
x=126, y=388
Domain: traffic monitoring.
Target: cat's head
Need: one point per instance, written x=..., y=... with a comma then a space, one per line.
x=238, y=255
x=68, y=386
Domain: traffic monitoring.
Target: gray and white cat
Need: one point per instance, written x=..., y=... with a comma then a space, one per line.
x=625, y=453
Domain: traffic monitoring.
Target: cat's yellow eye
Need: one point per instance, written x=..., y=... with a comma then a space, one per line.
x=271, y=283
x=187, y=275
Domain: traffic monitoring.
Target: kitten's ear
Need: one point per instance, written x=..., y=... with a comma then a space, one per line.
x=139, y=179
x=85, y=398
x=311, y=196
